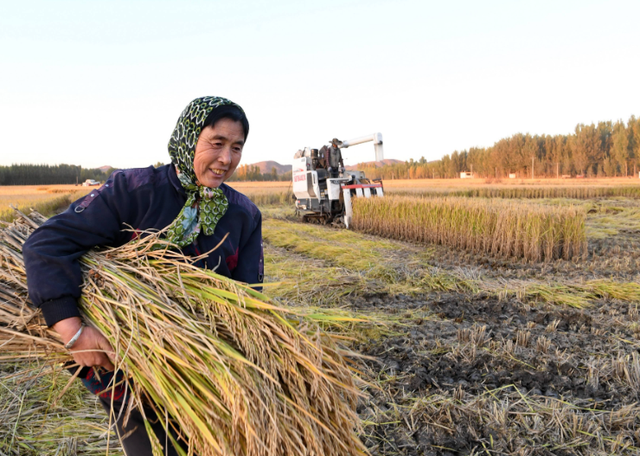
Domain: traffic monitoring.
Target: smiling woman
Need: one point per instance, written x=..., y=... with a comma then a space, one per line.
x=200, y=214
x=218, y=152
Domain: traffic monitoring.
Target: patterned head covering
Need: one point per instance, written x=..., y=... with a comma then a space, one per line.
x=205, y=206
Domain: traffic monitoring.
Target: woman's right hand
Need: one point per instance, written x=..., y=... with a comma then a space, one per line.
x=91, y=349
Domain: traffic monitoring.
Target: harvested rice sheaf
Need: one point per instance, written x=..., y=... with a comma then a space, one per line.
x=233, y=372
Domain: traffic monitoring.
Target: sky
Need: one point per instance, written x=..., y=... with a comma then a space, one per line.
x=96, y=83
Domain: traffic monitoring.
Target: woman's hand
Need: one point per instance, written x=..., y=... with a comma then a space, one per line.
x=91, y=349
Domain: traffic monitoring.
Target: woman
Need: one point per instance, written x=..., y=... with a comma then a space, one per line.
x=189, y=197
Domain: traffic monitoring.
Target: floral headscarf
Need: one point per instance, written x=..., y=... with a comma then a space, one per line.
x=205, y=206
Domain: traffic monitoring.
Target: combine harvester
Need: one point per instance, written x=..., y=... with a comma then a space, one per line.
x=323, y=188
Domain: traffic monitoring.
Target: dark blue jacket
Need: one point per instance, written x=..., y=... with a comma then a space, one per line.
x=142, y=199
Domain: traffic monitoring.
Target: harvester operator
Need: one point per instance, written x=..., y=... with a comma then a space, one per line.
x=189, y=198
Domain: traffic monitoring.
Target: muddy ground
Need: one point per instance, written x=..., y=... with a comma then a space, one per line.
x=461, y=347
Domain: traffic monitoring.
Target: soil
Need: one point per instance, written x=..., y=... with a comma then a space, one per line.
x=460, y=345
x=469, y=347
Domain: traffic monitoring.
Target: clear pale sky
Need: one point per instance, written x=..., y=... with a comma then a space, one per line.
x=98, y=83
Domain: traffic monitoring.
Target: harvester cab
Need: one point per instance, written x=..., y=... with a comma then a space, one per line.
x=323, y=188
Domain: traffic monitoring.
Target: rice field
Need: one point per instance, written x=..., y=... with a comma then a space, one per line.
x=581, y=193
x=465, y=350
x=493, y=227
x=46, y=199
x=476, y=183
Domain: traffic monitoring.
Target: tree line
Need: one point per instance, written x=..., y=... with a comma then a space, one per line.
x=23, y=174
x=49, y=174
x=607, y=149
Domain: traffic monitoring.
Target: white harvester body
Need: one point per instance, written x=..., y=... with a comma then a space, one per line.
x=323, y=188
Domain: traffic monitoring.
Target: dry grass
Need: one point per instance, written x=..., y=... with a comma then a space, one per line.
x=40, y=418
x=497, y=228
x=27, y=190
x=236, y=374
x=510, y=421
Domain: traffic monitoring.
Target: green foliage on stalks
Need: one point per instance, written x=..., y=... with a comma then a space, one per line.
x=352, y=262
x=340, y=247
x=577, y=295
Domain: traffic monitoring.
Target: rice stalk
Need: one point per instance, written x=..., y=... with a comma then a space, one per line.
x=235, y=373
x=498, y=228
x=543, y=192
x=629, y=291
x=33, y=424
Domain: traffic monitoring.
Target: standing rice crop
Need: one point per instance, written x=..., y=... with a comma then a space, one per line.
x=232, y=372
x=539, y=192
x=494, y=227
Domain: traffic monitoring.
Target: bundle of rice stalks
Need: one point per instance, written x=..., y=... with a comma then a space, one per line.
x=231, y=371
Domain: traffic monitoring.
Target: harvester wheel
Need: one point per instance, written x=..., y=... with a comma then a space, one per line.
x=338, y=222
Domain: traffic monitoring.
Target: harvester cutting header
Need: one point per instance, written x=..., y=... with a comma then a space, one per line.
x=323, y=188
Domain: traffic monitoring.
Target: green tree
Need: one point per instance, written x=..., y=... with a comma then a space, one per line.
x=634, y=144
x=620, y=152
x=585, y=147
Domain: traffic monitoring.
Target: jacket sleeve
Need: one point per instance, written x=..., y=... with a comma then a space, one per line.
x=250, y=267
x=52, y=252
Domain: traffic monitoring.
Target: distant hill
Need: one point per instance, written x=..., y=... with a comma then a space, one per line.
x=377, y=164
x=265, y=167
x=105, y=168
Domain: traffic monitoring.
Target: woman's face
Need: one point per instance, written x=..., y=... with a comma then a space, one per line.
x=218, y=152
